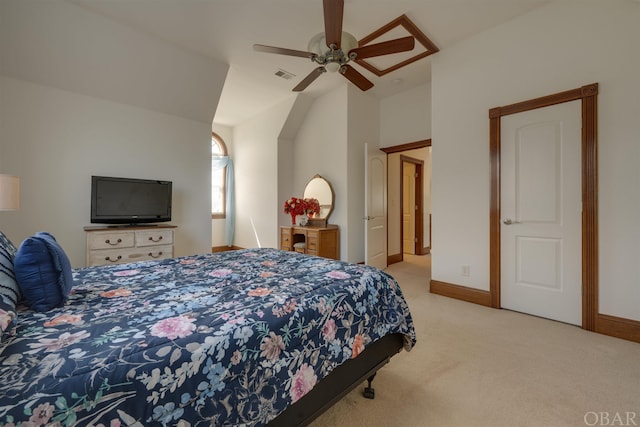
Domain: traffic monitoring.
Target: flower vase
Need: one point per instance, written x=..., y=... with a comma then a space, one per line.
x=303, y=220
x=293, y=218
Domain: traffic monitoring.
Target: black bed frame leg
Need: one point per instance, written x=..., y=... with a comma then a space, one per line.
x=369, y=391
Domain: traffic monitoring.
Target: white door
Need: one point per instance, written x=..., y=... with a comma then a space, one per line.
x=408, y=208
x=541, y=209
x=375, y=207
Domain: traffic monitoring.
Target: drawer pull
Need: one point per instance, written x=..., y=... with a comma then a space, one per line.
x=155, y=240
x=155, y=256
x=113, y=260
x=108, y=242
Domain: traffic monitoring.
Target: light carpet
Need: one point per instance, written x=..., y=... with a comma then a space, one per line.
x=478, y=366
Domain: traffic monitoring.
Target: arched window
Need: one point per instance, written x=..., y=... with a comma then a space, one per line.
x=218, y=177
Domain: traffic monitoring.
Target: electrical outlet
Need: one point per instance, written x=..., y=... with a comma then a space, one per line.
x=465, y=270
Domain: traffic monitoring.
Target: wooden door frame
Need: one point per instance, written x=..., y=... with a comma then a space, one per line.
x=392, y=259
x=588, y=95
x=419, y=198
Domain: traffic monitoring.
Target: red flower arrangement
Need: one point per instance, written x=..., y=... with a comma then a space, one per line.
x=296, y=206
x=312, y=207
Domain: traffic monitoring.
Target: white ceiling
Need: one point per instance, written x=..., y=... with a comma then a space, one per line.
x=227, y=29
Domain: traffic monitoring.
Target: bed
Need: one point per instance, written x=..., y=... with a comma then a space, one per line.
x=246, y=337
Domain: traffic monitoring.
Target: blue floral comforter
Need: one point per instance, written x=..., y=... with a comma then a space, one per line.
x=217, y=339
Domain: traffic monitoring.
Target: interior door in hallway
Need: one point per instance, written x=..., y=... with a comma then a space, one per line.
x=375, y=218
x=408, y=208
x=541, y=206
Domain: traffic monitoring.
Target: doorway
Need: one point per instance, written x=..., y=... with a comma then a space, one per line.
x=587, y=95
x=412, y=205
x=375, y=207
x=541, y=206
x=417, y=154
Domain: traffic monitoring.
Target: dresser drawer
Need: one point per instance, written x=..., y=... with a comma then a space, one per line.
x=121, y=256
x=111, y=239
x=153, y=237
x=117, y=246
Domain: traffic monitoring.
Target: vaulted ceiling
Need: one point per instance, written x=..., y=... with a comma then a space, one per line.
x=226, y=30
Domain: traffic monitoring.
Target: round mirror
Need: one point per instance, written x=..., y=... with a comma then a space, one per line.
x=320, y=189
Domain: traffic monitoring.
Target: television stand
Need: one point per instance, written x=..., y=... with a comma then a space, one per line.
x=132, y=225
x=128, y=243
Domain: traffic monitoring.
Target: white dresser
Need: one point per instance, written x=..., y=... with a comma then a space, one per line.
x=116, y=245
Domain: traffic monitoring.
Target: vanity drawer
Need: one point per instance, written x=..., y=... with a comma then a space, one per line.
x=286, y=240
x=319, y=241
x=312, y=241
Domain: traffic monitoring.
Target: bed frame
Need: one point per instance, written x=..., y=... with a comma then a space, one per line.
x=340, y=382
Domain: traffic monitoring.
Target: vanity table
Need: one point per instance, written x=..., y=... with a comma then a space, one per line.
x=319, y=241
x=317, y=237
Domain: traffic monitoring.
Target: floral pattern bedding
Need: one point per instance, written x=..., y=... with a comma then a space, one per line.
x=218, y=339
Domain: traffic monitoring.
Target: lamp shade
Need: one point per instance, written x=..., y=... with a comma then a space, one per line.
x=9, y=192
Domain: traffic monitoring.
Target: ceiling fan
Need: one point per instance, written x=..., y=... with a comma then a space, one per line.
x=334, y=49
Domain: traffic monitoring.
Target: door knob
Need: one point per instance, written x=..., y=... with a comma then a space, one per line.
x=509, y=221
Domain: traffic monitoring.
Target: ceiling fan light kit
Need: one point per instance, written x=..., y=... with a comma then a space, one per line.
x=332, y=58
x=328, y=49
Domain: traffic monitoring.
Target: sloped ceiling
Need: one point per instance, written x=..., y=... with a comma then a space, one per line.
x=226, y=30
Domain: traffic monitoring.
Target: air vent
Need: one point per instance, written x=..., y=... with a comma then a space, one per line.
x=284, y=74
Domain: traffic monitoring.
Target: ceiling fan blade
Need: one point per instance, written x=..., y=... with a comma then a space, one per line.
x=355, y=77
x=283, y=51
x=309, y=79
x=384, y=48
x=333, y=11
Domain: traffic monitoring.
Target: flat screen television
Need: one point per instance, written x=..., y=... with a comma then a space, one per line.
x=129, y=200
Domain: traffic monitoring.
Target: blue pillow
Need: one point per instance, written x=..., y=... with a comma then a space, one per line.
x=43, y=272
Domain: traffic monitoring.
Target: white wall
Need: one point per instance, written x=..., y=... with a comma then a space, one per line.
x=56, y=43
x=560, y=46
x=406, y=116
x=320, y=147
x=82, y=95
x=256, y=159
x=330, y=142
x=287, y=185
x=277, y=152
x=363, y=127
